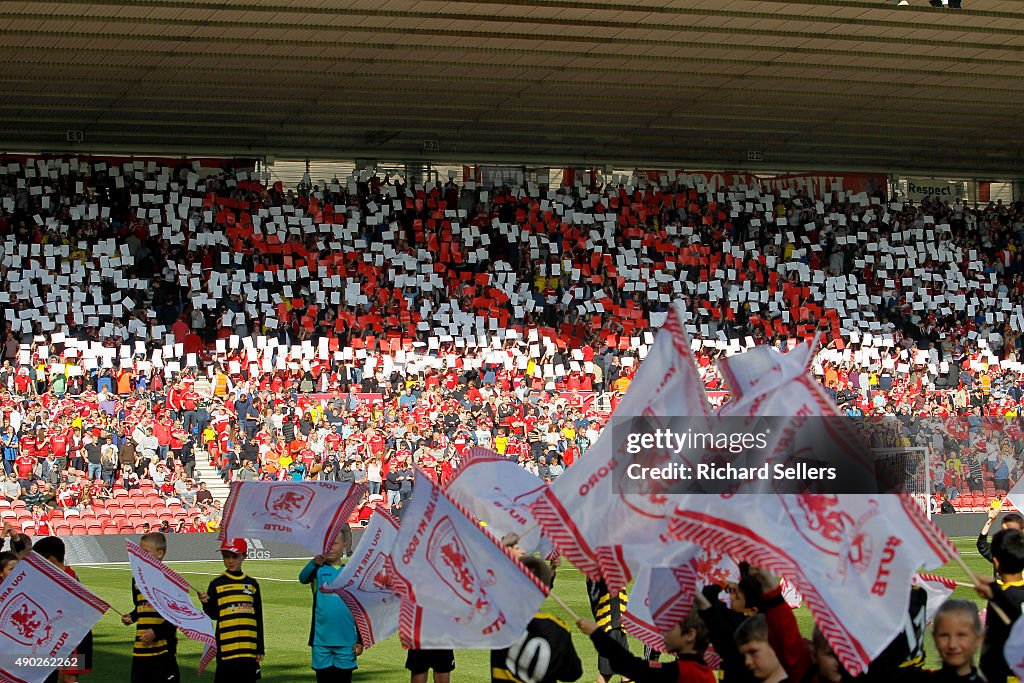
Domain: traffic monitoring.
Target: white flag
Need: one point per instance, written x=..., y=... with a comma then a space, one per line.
x=498, y=492
x=44, y=615
x=661, y=598
x=938, y=588
x=1016, y=494
x=1013, y=650
x=850, y=556
x=169, y=594
x=460, y=586
x=365, y=584
x=762, y=369
x=306, y=513
x=582, y=510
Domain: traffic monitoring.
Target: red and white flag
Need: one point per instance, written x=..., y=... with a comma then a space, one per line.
x=169, y=594
x=850, y=556
x=44, y=615
x=365, y=584
x=938, y=588
x=802, y=420
x=715, y=567
x=790, y=594
x=582, y=510
x=761, y=370
x=306, y=513
x=661, y=597
x=460, y=586
x=498, y=492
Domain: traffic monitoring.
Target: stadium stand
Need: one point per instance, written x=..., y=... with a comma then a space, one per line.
x=166, y=332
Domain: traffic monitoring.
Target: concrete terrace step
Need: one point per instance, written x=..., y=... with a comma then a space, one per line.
x=208, y=474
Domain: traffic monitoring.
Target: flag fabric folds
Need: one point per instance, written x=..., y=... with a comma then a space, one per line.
x=849, y=556
x=661, y=597
x=169, y=594
x=306, y=513
x=365, y=584
x=498, y=491
x=448, y=571
x=44, y=615
x=575, y=510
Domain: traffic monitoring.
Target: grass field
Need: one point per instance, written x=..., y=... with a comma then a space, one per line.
x=287, y=605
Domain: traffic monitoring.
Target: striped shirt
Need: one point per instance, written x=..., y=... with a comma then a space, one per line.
x=145, y=617
x=236, y=604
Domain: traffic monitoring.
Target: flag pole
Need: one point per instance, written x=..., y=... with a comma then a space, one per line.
x=974, y=577
x=561, y=603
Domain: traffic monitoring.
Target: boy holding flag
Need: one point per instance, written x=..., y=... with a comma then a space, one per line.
x=156, y=640
x=332, y=633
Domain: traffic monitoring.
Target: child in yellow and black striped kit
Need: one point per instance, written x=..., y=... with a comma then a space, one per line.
x=154, y=656
x=235, y=601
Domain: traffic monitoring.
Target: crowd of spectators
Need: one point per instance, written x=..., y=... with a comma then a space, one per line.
x=352, y=329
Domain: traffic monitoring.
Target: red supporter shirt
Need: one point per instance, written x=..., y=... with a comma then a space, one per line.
x=27, y=445
x=59, y=445
x=25, y=464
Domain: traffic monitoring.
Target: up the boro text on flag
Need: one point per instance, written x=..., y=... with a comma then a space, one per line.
x=447, y=569
x=575, y=510
x=365, y=584
x=307, y=513
x=169, y=595
x=44, y=615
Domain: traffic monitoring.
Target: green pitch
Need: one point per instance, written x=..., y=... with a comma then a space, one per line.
x=287, y=605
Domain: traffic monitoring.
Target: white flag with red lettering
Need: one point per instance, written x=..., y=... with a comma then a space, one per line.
x=365, y=584
x=169, y=594
x=44, y=615
x=498, y=492
x=461, y=588
x=306, y=513
x=850, y=556
x=582, y=510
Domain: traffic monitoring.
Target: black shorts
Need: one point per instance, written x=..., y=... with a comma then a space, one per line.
x=240, y=670
x=422, y=661
x=158, y=669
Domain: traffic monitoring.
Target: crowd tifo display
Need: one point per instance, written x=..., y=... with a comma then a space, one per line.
x=160, y=312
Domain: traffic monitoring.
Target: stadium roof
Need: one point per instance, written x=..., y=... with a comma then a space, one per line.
x=813, y=84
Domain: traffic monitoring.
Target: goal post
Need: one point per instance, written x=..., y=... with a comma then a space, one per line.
x=913, y=463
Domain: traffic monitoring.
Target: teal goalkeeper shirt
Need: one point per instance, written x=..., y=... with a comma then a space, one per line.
x=333, y=625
